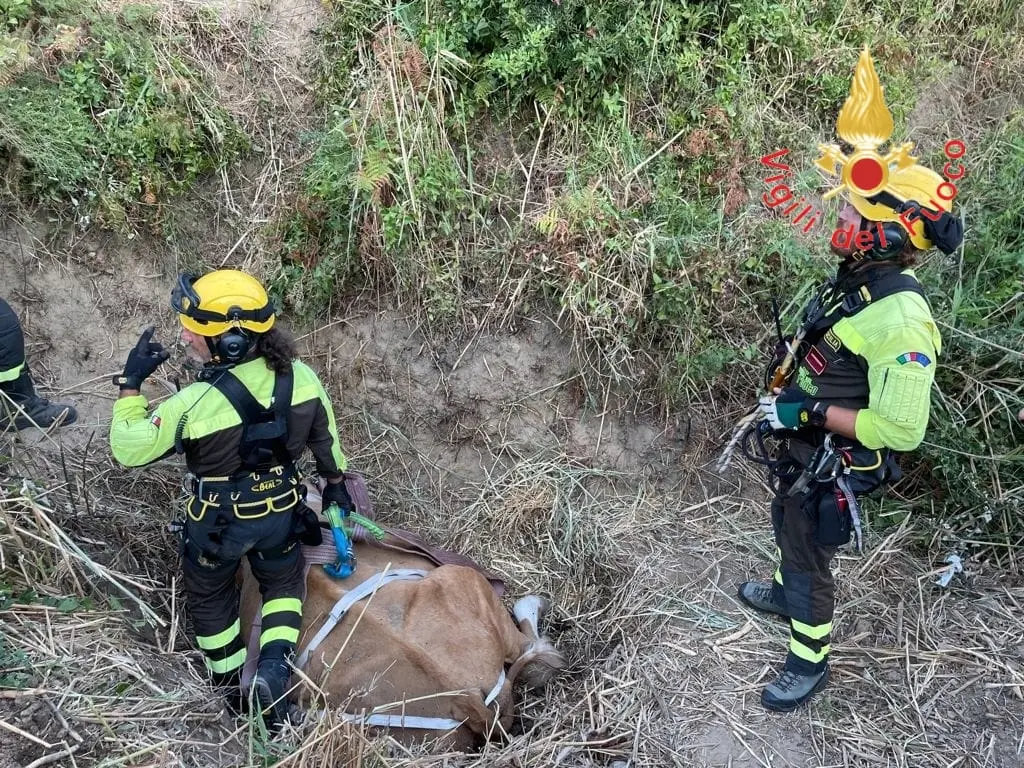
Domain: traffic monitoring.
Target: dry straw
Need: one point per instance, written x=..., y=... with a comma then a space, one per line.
x=667, y=666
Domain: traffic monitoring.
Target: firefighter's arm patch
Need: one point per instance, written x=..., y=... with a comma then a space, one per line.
x=914, y=357
x=904, y=398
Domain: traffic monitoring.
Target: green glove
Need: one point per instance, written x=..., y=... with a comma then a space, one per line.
x=792, y=409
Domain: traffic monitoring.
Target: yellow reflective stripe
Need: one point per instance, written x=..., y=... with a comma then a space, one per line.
x=778, y=576
x=11, y=374
x=231, y=663
x=310, y=378
x=213, y=642
x=801, y=650
x=813, y=631
x=876, y=465
x=280, y=604
x=288, y=634
x=291, y=498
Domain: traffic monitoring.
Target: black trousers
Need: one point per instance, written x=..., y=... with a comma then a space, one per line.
x=12, y=343
x=214, y=548
x=803, y=581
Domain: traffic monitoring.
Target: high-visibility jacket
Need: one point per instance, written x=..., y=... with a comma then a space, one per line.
x=880, y=361
x=211, y=427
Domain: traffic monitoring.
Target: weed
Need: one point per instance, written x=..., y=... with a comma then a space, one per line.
x=973, y=461
x=103, y=117
x=15, y=665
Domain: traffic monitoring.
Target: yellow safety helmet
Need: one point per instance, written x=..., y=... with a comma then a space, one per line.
x=219, y=301
x=890, y=187
x=917, y=183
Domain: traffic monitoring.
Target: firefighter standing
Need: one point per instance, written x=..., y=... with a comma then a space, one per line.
x=241, y=428
x=19, y=403
x=862, y=386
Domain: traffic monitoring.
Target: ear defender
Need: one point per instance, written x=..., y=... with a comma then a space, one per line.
x=888, y=238
x=234, y=345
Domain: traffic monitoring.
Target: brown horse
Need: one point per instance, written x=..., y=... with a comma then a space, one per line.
x=432, y=655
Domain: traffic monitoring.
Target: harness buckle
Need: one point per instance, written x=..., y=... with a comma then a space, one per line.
x=822, y=467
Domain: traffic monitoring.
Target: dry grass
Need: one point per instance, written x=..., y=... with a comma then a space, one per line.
x=640, y=555
x=666, y=665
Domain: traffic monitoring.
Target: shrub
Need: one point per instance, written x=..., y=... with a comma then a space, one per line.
x=104, y=116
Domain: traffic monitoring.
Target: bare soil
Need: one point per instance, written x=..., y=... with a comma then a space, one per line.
x=442, y=428
x=484, y=441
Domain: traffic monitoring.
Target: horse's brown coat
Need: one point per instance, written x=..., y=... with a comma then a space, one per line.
x=438, y=644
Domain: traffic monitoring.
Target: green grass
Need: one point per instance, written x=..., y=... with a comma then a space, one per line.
x=103, y=117
x=596, y=162
x=520, y=150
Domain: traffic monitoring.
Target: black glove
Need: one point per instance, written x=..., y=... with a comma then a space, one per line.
x=337, y=493
x=307, y=526
x=145, y=357
x=946, y=231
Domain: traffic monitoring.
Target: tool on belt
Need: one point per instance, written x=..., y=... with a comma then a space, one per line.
x=345, y=565
x=746, y=426
x=831, y=465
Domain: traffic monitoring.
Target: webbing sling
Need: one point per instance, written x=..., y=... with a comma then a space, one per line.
x=264, y=430
x=861, y=297
x=326, y=553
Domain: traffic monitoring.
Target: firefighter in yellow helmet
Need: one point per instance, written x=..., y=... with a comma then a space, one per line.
x=864, y=371
x=241, y=428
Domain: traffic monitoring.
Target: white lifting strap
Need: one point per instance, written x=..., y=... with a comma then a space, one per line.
x=406, y=721
x=344, y=604
x=349, y=599
x=416, y=721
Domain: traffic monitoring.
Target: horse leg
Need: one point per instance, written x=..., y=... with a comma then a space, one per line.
x=529, y=611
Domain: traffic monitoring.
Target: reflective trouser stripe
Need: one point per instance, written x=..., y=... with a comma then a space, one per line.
x=807, y=654
x=814, y=632
x=224, y=651
x=282, y=618
x=221, y=639
x=288, y=634
x=778, y=570
x=229, y=664
x=282, y=604
x=810, y=642
x=11, y=374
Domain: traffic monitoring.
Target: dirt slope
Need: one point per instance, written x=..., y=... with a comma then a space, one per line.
x=483, y=442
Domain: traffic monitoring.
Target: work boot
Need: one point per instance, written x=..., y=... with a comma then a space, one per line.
x=791, y=690
x=230, y=689
x=269, y=687
x=761, y=595
x=37, y=410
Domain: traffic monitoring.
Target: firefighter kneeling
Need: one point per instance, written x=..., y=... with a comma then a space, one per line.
x=241, y=427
